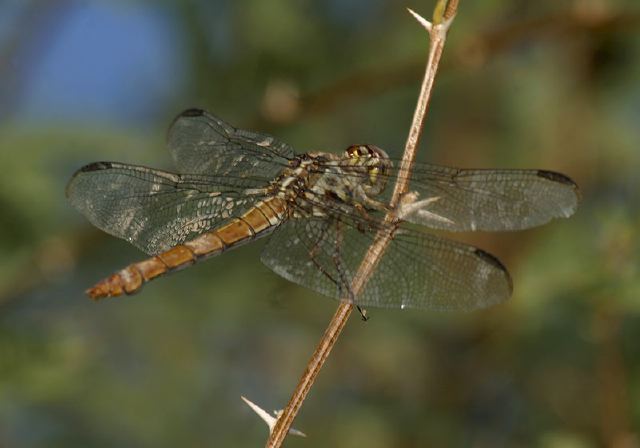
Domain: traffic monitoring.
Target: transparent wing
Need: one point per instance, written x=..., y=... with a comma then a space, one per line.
x=202, y=143
x=153, y=209
x=417, y=270
x=495, y=200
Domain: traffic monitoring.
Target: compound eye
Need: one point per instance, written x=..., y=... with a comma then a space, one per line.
x=353, y=152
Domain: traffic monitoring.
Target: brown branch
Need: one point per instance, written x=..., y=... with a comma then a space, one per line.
x=437, y=34
x=452, y=8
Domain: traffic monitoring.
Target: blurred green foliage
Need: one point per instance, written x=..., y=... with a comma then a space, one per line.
x=524, y=84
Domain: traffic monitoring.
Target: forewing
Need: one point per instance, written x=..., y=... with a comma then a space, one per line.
x=202, y=143
x=152, y=209
x=417, y=270
x=495, y=200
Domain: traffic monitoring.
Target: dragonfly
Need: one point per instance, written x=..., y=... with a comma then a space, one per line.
x=321, y=211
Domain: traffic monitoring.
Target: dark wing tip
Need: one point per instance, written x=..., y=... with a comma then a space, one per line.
x=189, y=113
x=557, y=177
x=94, y=166
x=192, y=112
x=563, y=179
x=496, y=263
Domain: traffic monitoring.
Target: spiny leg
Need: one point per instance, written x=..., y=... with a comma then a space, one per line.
x=313, y=252
x=363, y=313
x=367, y=223
x=337, y=260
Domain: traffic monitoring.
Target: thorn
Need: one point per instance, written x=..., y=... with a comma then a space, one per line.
x=424, y=22
x=269, y=419
x=264, y=415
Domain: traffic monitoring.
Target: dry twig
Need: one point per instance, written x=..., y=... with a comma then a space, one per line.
x=442, y=18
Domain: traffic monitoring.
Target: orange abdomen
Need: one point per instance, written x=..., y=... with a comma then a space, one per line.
x=256, y=222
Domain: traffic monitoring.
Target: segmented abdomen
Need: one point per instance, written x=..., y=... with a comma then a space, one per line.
x=258, y=221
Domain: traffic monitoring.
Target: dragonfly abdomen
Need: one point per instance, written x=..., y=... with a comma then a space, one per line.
x=256, y=222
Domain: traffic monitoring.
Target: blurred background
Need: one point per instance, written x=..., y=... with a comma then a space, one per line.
x=523, y=84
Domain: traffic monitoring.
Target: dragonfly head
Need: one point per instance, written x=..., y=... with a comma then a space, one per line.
x=376, y=165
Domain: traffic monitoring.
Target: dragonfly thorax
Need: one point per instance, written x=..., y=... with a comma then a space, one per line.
x=372, y=164
x=319, y=184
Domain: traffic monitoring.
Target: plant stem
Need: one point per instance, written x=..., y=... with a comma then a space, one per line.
x=437, y=34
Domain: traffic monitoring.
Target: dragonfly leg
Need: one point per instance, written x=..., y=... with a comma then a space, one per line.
x=344, y=280
x=312, y=255
x=376, y=205
x=337, y=260
x=368, y=223
x=363, y=313
x=365, y=225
